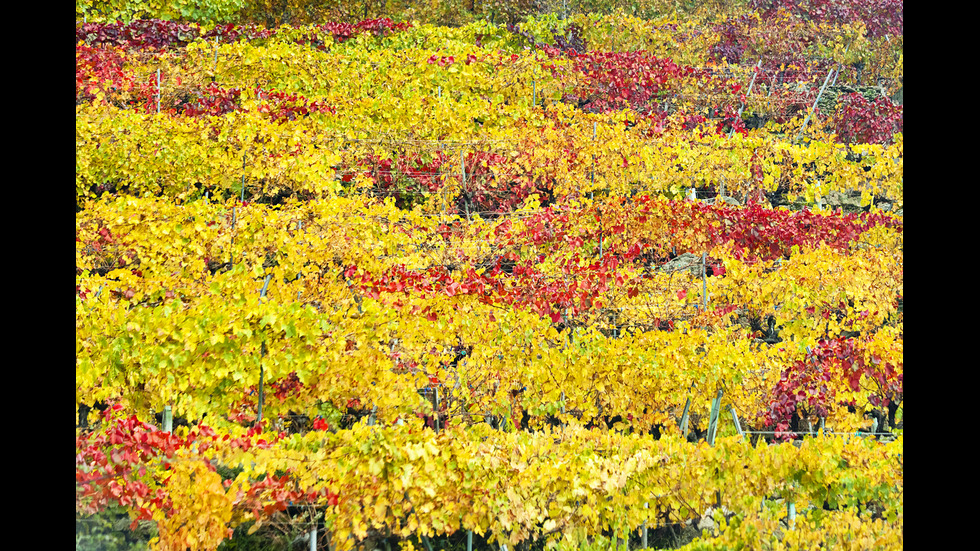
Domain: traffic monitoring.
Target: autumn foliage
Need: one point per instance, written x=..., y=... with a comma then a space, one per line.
x=412, y=280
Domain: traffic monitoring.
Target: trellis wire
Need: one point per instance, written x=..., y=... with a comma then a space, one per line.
x=450, y=144
x=824, y=432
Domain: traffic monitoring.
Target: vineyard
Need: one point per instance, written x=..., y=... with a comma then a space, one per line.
x=502, y=275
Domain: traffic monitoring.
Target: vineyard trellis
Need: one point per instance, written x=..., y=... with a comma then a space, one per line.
x=458, y=274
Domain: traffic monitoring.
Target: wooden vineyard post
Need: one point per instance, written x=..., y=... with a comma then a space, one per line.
x=299, y=228
x=83, y=415
x=435, y=419
x=168, y=418
x=258, y=419
x=810, y=112
x=231, y=246
x=564, y=319
x=837, y=74
x=563, y=409
x=712, y=428
x=592, y=193
x=704, y=281
x=738, y=426
x=713, y=421
x=809, y=352
x=643, y=536
x=742, y=106
x=462, y=168
x=684, y=416
x=593, y=155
